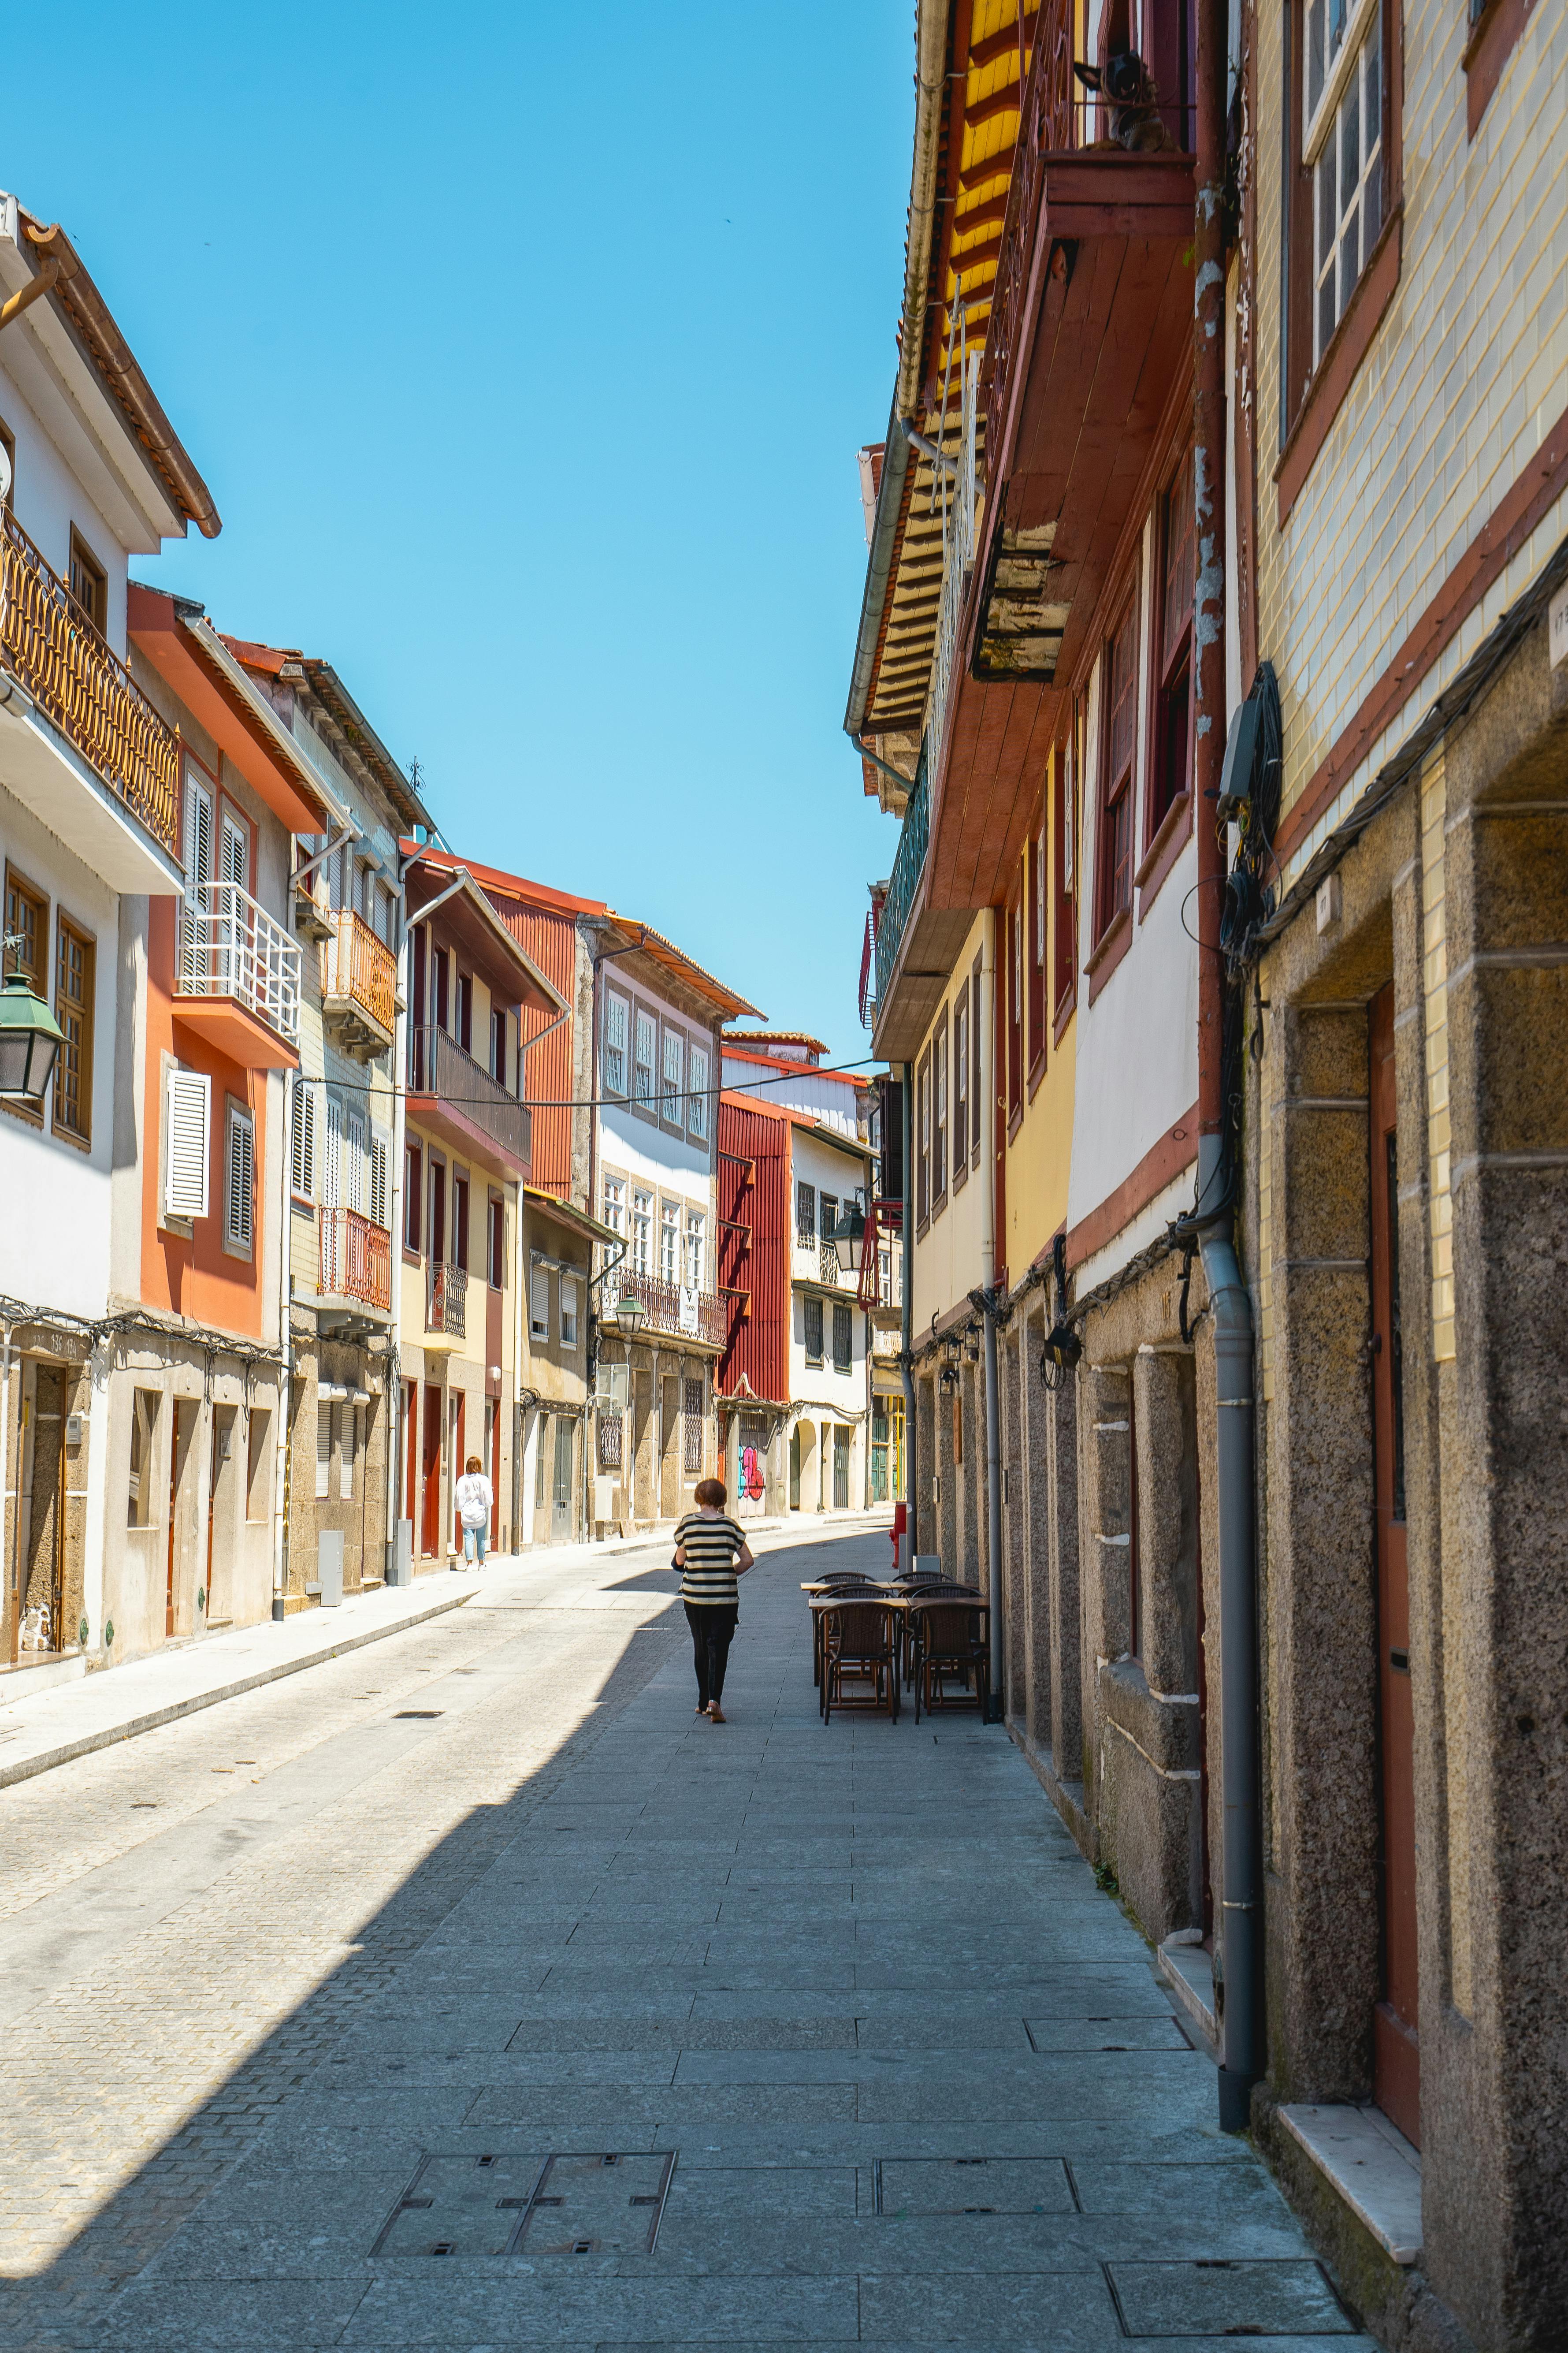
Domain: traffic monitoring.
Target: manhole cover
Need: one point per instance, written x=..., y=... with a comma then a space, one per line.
x=972, y=2185
x=605, y=2204
x=1236, y=2298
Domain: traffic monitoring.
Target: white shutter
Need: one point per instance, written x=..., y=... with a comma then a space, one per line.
x=190, y=1105
x=323, y=1451
x=697, y=1104
x=357, y=1162
x=240, y=1177
x=333, y=1166
x=235, y=865
x=380, y=1203
x=304, y=1141
x=198, y=874
x=569, y=1310
x=349, y=1447
x=539, y=1293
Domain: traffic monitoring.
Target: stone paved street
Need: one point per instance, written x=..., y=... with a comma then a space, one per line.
x=419, y=1923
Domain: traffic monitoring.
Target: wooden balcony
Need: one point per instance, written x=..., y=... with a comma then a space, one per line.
x=452, y=1096
x=670, y=1309
x=355, y=1259
x=77, y=685
x=359, y=987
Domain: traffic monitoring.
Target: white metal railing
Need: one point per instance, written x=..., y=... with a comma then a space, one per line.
x=958, y=518
x=231, y=947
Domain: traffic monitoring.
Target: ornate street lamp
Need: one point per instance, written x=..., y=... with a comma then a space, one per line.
x=629, y=1314
x=848, y=1237
x=30, y=1038
x=972, y=1344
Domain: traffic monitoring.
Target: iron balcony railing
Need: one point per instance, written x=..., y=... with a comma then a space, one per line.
x=902, y=885
x=355, y=1258
x=437, y=1066
x=359, y=970
x=79, y=683
x=672, y=1307
x=447, y=1299
x=961, y=502
x=229, y=946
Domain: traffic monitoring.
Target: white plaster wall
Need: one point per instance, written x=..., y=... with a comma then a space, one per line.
x=47, y=499
x=831, y=1100
x=54, y=1196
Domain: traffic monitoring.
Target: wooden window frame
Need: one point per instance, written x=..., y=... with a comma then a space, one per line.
x=498, y=1044
x=613, y=1094
x=81, y=559
x=981, y=1074
x=1488, y=48
x=805, y=1227
x=1037, y=870
x=810, y=1300
x=843, y=1321
x=1166, y=828
x=464, y=1006
x=39, y=973
x=1015, y=985
x=462, y=1236
x=413, y=1200
x=644, y=1106
x=922, y=1143
x=68, y=1130
x=1114, y=904
x=1064, y=908
x=672, y=1120
x=941, y=1114
x=697, y=1120
x=963, y=1083
x=1312, y=395
x=495, y=1242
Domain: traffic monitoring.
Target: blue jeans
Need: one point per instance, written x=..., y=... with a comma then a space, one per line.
x=476, y=1543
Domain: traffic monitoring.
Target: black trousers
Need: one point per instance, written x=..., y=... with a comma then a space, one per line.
x=713, y=1631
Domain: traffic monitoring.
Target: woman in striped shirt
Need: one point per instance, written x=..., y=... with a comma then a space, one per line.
x=711, y=1552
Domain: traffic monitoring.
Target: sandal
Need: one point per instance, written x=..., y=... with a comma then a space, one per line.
x=716, y=1714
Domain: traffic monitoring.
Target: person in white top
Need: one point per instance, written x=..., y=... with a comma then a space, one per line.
x=474, y=1501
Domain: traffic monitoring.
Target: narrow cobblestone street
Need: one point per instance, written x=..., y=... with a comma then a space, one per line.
x=305, y=1991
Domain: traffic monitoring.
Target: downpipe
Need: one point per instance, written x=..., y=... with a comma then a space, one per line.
x=906, y=1335
x=996, y=1701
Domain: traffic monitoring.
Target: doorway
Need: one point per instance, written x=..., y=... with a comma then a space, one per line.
x=641, y=1481
x=561, y=1498
x=220, y=1607
x=840, y=1468
x=670, y=1448
x=492, y=1464
x=43, y=1598
x=795, y=1468
x=1396, y=2062
x=430, y=1463
x=457, y=1404
x=179, y=1448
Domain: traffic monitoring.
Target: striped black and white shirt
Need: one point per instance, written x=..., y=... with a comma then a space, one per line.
x=712, y=1547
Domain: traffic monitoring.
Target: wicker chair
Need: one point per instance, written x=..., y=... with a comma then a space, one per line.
x=948, y=1637
x=842, y=1584
x=860, y=1645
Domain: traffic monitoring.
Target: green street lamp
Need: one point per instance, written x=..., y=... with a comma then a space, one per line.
x=629, y=1314
x=30, y=1038
x=848, y=1237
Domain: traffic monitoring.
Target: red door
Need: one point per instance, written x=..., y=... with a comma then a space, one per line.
x=459, y=1463
x=1396, y=2061
x=430, y=1516
x=493, y=1412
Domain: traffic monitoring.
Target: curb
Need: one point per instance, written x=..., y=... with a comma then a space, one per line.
x=26, y=1767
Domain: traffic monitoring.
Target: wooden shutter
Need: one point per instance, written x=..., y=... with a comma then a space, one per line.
x=332, y=1169
x=239, y=1178
x=346, y=1457
x=303, y=1173
x=539, y=1295
x=198, y=874
x=380, y=1203
x=236, y=867
x=356, y=1157
x=323, y=1451
x=190, y=1105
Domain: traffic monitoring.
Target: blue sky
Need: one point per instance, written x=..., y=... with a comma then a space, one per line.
x=526, y=352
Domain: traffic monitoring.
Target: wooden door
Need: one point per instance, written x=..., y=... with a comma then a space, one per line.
x=223, y=1428
x=178, y=1442
x=43, y=1593
x=460, y=1461
x=670, y=1448
x=492, y=1414
x=1396, y=2066
x=561, y=1494
x=430, y=1512
x=641, y=1480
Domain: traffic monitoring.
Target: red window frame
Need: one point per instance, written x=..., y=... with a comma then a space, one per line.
x=1118, y=766
x=1170, y=659
x=1037, y=870
x=1012, y=937
x=413, y=1199
x=1065, y=771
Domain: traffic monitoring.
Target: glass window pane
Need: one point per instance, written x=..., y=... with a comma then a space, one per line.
x=1316, y=60
x=1350, y=266
x=1350, y=144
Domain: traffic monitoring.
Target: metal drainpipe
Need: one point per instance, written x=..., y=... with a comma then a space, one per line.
x=995, y=1706
x=987, y=1034
x=907, y=1254
x=1212, y=1217
x=284, y=1442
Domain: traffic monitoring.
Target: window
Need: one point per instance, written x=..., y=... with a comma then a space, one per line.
x=1171, y=771
x=813, y=1307
x=441, y=966
x=674, y=1064
x=697, y=1095
x=1036, y=864
x=438, y=1210
x=646, y=1043
x=498, y=1045
x=26, y=931
x=239, y=1180
x=89, y=582
x=333, y=1156
x=692, y=1460
x=413, y=1205
x=323, y=1451
x=185, y=1166
x=235, y=851
x=141, y=1486
x=538, y=1301
x=668, y=1243
x=257, y=1485
x=1014, y=983
x=805, y=1215
x=923, y=1140
x=540, y=1426
x=495, y=1244
x=460, y=1222
x=616, y=1204
x=960, y=1087
x=348, y=1453
x=302, y=1143
x=612, y=1060
x=465, y=1011
x=843, y=1337
x=569, y=1311
x=979, y=1079
x=380, y=1189
x=73, y=1011
x=1119, y=732
x=642, y=1230
x=1342, y=146
x=356, y=1161
x=696, y=1248
x=939, y=1112
x=1062, y=813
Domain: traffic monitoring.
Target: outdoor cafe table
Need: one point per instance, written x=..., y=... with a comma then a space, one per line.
x=822, y=1597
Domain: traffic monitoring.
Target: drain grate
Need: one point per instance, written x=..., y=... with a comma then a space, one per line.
x=567, y=2204
x=406, y=1714
x=970, y=2185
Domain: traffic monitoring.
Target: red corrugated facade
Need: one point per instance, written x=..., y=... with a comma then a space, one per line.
x=754, y=1248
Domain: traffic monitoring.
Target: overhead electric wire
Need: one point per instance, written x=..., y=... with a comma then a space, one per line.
x=591, y=1102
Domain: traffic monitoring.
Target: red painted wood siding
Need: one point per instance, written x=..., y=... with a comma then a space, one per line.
x=757, y=1260
x=548, y=935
